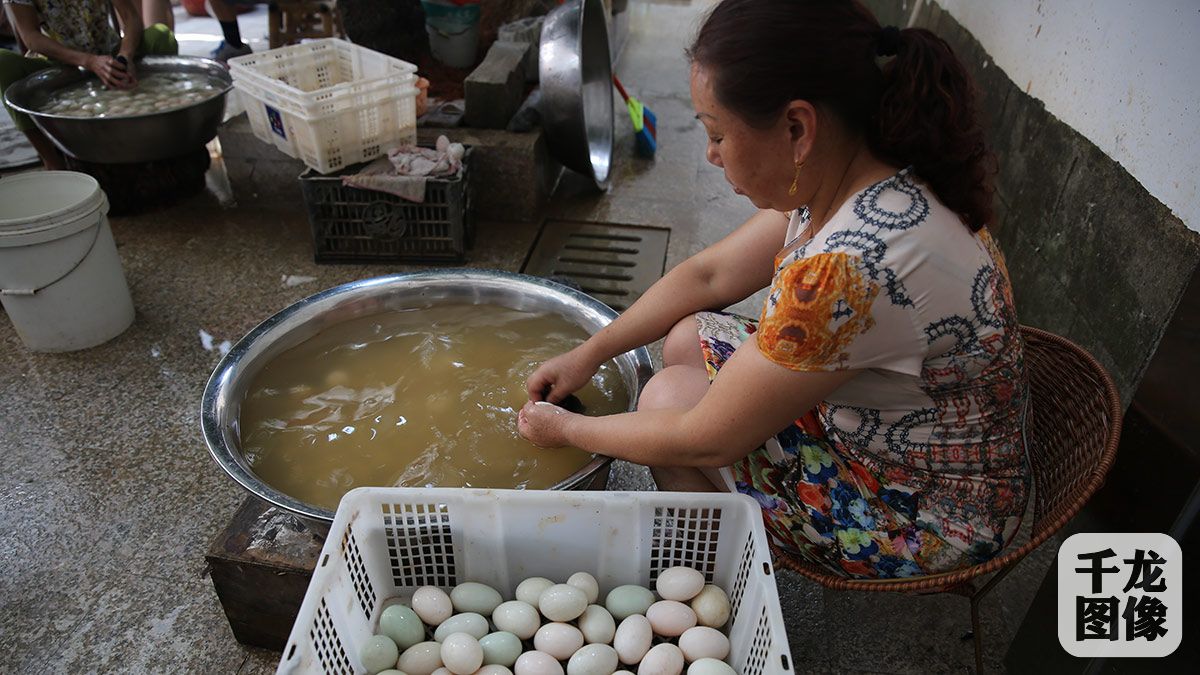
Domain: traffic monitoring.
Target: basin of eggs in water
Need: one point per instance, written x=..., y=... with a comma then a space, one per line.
x=562, y=623
x=413, y=398
x=154, y=93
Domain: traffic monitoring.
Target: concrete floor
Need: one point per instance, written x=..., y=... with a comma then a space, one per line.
x=109, y=499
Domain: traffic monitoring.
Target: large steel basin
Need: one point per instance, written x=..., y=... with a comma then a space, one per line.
x=129, y=138
x=575, y=69
x=220, y=407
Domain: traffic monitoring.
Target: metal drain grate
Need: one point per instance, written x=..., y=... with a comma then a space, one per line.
x=613, y=263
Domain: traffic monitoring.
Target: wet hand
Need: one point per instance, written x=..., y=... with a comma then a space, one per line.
x=543, y=424
x=112, y=73
x=555, y=379
x=127, y=61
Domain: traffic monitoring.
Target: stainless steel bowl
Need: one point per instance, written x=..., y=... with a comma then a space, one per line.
x=220, y=409
x=126, y=139
x=577, y=91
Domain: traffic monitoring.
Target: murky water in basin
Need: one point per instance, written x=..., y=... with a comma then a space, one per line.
x=413, y=398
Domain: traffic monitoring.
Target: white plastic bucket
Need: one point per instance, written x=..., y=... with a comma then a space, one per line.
x=453, y=31
x=61, y=281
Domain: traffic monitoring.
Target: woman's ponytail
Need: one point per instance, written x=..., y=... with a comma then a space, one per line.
x=928, y=118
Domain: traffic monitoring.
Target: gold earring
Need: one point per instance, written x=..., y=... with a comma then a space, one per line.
x=795, y=180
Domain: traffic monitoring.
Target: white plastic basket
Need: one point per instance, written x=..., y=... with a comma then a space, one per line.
x=311, y=77
x=328, y=102
x=387, y=542
x=352, y=133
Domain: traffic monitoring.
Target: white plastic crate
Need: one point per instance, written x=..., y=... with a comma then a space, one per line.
x=331, y=141
x=387, y=542
x=311, y=77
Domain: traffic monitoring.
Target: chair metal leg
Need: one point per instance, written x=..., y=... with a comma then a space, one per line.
x=976, y=599
x=977, y=632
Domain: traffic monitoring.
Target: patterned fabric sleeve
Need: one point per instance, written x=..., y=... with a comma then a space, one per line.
x=824, y=313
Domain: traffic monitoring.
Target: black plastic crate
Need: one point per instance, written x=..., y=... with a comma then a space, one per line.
x=352, y=225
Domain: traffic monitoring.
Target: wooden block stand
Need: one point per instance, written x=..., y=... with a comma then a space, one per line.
x=260, y=567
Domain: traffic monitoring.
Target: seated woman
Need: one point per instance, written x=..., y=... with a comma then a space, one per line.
x=78, y=33
x=875, y=408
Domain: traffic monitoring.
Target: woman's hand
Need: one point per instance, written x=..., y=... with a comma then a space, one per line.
x=127, y=61
x=543, y=424
x=560, y=376
x=111, y=72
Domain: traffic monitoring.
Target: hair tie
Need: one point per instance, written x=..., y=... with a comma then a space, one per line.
x=888, y=42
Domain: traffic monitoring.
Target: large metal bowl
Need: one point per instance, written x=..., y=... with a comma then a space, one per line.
x=577, y=92
x=220, y=409
x=131, y=138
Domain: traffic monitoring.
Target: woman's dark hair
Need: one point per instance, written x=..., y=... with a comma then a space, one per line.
x=918, y=109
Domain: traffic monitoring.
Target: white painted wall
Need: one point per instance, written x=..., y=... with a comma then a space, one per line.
x=1124, y=73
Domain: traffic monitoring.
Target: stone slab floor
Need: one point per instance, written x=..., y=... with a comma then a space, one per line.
x=108, y=497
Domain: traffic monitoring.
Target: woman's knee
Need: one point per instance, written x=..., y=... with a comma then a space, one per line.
x=682, y=346
x=674, y=387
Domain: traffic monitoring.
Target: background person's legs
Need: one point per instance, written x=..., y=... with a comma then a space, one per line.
x=232, y=45
x=13, y=67
x=158, y=11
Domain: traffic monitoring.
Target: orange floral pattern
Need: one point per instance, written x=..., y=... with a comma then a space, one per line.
x=817, y=307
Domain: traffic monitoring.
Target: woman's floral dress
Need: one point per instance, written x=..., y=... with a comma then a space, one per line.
x=916, y=465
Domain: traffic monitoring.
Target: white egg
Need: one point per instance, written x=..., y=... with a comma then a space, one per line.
x=421, y=659
x=663, y=659
x=711, y=607
x=516, y=617
x=593, y=660
x=586, y=583
x=462, y=654
x=702, y=642
x=559, y=640
x=622, y=672
x=679, y=583
x=537, y=663
x=633, y=639
x=475, y=597
x=669, y=618
x=710, y=667
x=532, y=588
x=432, y=605
x=442, y=671
x=500, y=648
x=624, y=601
x=561, y=602
x=494, y=670
x=468, y=622
x=597, y=625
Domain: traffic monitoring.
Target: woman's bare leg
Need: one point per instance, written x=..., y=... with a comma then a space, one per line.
x=681, y=384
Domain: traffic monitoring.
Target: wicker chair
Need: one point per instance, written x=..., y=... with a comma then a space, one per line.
x=1073, y=426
